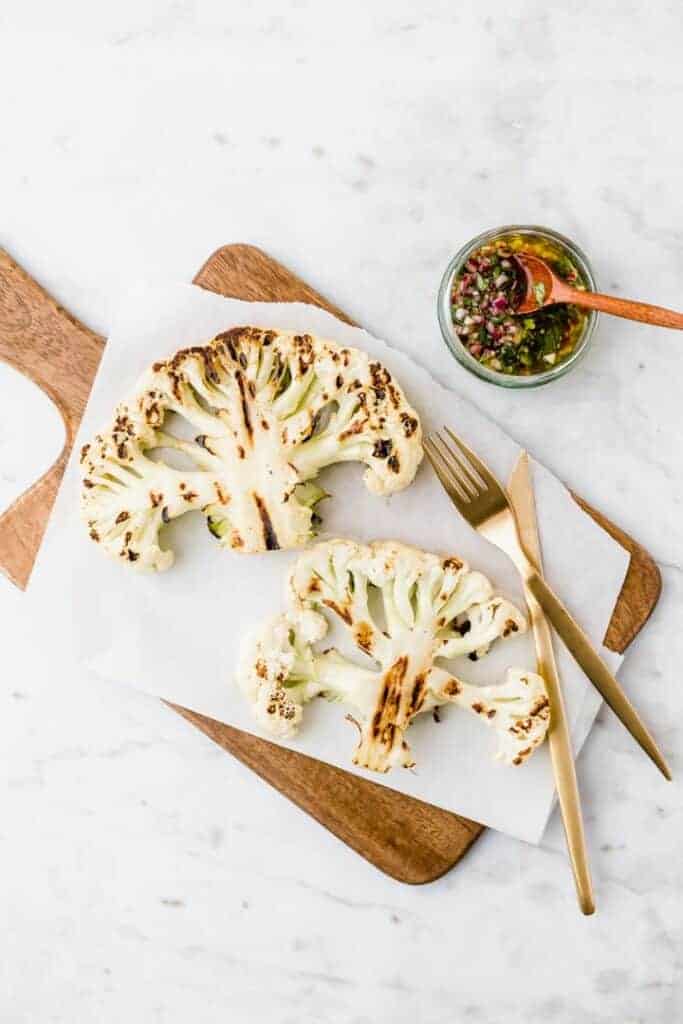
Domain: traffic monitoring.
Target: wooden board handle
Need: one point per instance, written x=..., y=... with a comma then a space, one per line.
x=63, y=363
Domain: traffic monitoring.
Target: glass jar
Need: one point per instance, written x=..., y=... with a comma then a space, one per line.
x=465, y=358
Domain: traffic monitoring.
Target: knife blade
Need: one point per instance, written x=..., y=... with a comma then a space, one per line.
x=521, y=494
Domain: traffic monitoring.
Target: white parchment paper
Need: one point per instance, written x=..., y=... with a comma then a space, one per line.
x=177, y=634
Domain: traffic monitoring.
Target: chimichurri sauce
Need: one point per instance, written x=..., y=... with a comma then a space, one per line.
x=485, y=294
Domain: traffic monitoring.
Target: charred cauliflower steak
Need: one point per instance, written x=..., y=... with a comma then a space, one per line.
x=405, y=609
x=269, y=409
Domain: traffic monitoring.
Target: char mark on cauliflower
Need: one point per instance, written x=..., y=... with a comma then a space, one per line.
x=268, y=411
x=269, y=535
x=407, y=610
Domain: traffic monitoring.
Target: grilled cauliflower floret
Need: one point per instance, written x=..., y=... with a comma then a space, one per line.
x=269, y=409
x=517, y=710
x=404, y=608
x=276, y=670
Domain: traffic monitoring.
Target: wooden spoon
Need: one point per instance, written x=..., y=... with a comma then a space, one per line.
x=543, y=288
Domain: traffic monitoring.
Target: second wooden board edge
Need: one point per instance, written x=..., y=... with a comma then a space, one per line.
x=640, y=591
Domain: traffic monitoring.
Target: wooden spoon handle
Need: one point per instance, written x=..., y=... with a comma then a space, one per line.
x=625, y=308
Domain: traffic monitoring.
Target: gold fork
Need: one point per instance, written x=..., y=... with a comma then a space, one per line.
x=481, y=500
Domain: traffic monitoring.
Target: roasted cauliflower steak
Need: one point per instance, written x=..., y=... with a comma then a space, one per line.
x=405, y=609
x=268, y=410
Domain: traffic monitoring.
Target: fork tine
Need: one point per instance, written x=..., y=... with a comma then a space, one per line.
x=475, y=464
x=450, y=483
x=460, y=468
x=454, y=467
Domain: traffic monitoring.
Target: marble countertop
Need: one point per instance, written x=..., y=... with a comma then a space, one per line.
x=146, y=875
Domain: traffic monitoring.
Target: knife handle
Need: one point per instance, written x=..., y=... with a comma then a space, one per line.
x=594, y=667
x=564, y=770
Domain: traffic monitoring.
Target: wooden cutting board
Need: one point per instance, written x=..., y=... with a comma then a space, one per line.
x=410, y=840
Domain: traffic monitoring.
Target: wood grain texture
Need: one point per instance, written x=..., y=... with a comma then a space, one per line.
x=640, y=591
x=410, y=840
x=245, y=272
x=41, y=340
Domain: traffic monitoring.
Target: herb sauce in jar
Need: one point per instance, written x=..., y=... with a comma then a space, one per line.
x=485, y=295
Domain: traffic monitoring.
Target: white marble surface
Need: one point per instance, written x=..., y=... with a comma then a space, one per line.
x=147, y=876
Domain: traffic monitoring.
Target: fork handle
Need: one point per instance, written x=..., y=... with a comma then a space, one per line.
x=592, y=664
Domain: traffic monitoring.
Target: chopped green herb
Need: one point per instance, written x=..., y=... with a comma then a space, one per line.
x=539, y=292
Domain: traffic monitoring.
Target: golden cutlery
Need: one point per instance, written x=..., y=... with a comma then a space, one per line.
x=521, y=494
x=481, y=500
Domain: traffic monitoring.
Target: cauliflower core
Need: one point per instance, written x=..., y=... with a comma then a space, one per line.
x=404, y=608
x=269, y=409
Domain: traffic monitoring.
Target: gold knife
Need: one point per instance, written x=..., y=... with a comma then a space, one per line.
x=521, y=494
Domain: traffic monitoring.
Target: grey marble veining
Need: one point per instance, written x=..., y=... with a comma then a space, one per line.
x=147, y=876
